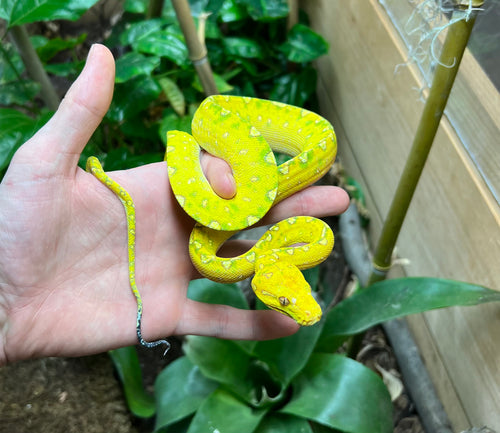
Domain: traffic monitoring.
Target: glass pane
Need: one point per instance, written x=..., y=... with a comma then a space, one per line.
x=485, y=40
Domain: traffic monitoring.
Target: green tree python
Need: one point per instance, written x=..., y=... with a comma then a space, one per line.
x=244, y=132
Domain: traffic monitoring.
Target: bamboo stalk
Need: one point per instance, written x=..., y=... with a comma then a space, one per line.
x=34, y=67
x=293, y=14
x=444, y=77
x=196, y=46
x=154, y=9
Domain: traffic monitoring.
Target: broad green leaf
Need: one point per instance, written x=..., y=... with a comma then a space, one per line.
x=295, y=89
x=266, y=9
x=224, y=413
x=222, y=85
x=280, y=423
x=287, y=356
x=174, y=95
x=135, y=6
x=209, y=292
x=11, y=64
x=15, y=129
x=127, y=365
x=18, y=92
x=141, y=29
x=243, y=47
x=48, y=48
x=343, y=394
x=172, y=122
x=122, y=159
x=17, y=12
x=179, y=390
x=222, y=361
x=167, y=43
x=65, y=69
x=303, y=45
x=232, y=11
x=138, y=127
x=134, y=64
x=390, y=299
x=132, y=97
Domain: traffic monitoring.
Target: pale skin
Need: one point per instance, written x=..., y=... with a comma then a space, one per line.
x=64, y=288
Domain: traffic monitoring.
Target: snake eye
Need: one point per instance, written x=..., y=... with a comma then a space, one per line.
x=284, y=301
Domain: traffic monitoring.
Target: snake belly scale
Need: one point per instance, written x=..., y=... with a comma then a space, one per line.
x=245, y=132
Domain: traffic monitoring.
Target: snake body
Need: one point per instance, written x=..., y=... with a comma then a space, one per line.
x=245, y=132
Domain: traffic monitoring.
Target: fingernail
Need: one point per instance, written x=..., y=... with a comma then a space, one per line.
x=91, y=51
x=231, y=185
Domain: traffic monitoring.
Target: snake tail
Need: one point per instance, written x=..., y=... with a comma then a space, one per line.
x=95, y=168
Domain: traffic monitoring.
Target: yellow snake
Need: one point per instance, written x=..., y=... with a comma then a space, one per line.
x=245, y=132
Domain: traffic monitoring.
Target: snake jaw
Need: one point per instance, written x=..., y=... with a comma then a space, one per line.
x=282, y=287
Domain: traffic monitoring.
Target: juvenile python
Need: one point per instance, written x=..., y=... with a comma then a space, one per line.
x=245, y=132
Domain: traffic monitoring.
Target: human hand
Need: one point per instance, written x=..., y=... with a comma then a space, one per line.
x=64, y=288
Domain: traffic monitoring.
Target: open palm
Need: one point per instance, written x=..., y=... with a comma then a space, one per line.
x=64, y=286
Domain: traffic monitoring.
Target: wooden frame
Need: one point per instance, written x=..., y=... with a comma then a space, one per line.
x=453, y=226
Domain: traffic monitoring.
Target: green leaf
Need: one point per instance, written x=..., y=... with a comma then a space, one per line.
x=222, y=412
x=266, y=9
x=126, y=362
x=222, y=85
x=287, y=356
x=172, y=122
x=132, y=97
x=122, y=159
x=222, y=361
x=167, y=43
x=65, y=69
x=342, y=394
x=17, y=12
x=209, y=292
x=15, y=129
x=279, y=423
x=179, y=390
x=295, y=89
x=135, y=6
x=133, y=64
x=390, y=299
x=174, y=95
x=303, y=44
x=11, y=64
x=18, y=92
x=232, y=11
x=141, y=29
x=50, y=47
x=243, y=47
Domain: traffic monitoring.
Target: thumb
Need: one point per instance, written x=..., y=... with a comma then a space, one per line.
x=59, y=143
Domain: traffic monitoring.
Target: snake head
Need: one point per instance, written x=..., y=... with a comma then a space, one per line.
x=282, y=287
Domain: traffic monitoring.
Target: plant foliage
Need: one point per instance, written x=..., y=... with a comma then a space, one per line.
x=294, y=384
x=157, y=88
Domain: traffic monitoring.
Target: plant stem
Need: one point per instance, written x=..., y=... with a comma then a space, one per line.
x=34, y=66
x=196, y=46
x=154, y=9
x=444, y=76
x=293, y=14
